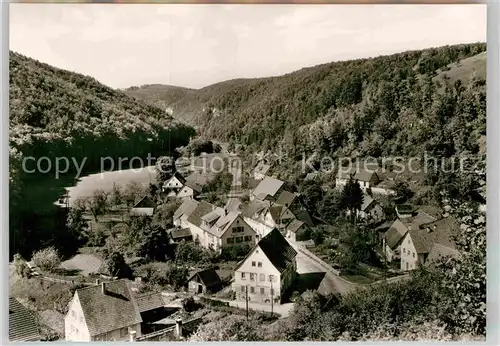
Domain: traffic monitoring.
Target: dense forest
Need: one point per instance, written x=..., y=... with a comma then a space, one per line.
x=396, y=104
x=57, y=113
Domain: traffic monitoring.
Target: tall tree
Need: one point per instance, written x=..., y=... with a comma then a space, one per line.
x=352, y=198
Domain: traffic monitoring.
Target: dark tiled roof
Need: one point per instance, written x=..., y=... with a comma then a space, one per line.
x=186, y=208
x=253, y=183
x=149, y=301
x=180, y=233
x=22, y=324
x=255, y=206
x=304, y=216
x=286, y=198
x=395, y=234
x=208, y=277
x=368, y=202
x=419, y=219
x=145, y=202
x=278, y=250
x=201, y=210
x=268, y=186
x=106, y=312
x=276, y=211
x=365, y=175
x=294, y=225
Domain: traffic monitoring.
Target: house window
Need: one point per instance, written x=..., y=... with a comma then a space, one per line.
x=238, y=229
x=259, y=264
x=414, y=255
x=252, y=277
x=72, y=313
x=239, y=239
x=253, y=263
x=408, y=241
x=271, y=278
x=262, y=291
x=230, y=240
x=262, y=277
x=252, y=289
x=406, y=265
x=404, y=251
x=248, y=238
x=242, y=276
x=242, y=289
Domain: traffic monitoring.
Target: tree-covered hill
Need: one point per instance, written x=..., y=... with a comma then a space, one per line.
x=56, y=113
x=377, y=106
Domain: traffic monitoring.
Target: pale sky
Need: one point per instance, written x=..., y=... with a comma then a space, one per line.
x=197, y=45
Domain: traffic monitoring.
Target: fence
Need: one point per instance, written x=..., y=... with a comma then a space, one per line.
x=170, y=333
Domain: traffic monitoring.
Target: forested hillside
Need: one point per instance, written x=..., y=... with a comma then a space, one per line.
x=390, y=105
x=57, y=113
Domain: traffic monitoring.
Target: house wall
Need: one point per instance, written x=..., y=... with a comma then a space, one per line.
x=382, y=191
x=409, y=255
x=259, y=227
x=186, y=192
x=75, y=327
x=390, y=255
x=230, y=234
x=257, y=284
x=118, y=334
x=173, y=183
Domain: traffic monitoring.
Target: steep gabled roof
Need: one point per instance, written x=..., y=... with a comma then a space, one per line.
x=255, y=206
x=295, y=225
x=277, y=250
x=365, y=175
x=201, y=210
x=22, y=324
x=268, y=187
x=176, y=175
x=368, y=202
x=145, y=202
x=286, y=198
x=186, y=208
x=208, y=277
x=395, y=234
x=113, y=310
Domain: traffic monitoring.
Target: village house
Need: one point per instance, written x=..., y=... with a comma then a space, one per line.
x=183, y=212
x=261, y=171
x=371, y=209
x=145, y=207
x=393, y=237
x=298, y=230
x=173, y=185
x=429, y=243
x=22, y=324
x=267, y=272
x=367, y=178
x=214, y=228
x=204, y=281
x=105, y=312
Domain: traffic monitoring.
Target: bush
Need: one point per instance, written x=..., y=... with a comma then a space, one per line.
x=20, y=267
x=47, y=259
x=189, y=304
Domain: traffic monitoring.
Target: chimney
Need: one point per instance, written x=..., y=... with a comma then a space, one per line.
x=97, y=282
x=103, y=288
x=178, y=328
x=133, y=336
